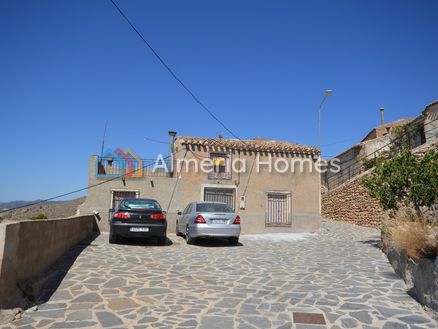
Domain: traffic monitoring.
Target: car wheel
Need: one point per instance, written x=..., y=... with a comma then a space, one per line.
x=178, y=233
x=162, y=240
x=234, y=241
x=189, y=239
x=113, y=238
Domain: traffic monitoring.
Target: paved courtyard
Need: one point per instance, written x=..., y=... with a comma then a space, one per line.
x=337, y=272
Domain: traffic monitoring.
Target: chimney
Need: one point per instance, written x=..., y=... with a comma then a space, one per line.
x=172, y=135
x=382, y=116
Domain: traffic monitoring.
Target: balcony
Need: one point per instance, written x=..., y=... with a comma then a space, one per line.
x=110, y=167
x=219, y=175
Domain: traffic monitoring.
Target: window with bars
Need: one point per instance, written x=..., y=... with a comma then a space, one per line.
x=226, y=195
x=221, y=166
x=278, y=209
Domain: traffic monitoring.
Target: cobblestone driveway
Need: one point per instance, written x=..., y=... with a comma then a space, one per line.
x=337, y=272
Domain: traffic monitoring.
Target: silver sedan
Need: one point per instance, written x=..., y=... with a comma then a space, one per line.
x=208, y=219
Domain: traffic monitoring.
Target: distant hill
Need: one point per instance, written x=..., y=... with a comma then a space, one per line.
x=19, y=203
x=53, y=209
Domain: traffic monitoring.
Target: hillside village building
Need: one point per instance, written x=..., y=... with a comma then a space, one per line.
x=273, y=185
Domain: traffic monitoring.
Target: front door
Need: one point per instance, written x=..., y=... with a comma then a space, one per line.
x=278, y=209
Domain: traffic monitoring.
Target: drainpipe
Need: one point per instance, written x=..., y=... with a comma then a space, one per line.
x=172, y=135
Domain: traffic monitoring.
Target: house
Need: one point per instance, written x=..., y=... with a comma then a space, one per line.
x=273, y=185
x=420, y=130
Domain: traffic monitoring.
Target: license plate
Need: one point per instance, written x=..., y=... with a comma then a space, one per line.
x=219, y=221
x=139, y=229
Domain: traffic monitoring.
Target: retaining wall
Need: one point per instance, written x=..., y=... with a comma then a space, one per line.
x=29, y=247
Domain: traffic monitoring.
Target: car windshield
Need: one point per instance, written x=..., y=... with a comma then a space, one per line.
x=213, y=207
x=140, y=204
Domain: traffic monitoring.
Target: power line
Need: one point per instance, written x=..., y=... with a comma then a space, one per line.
x=358, y=164
x=342, y=141
x=172, y=73
x=82, y=189
x=154, y=140
x=176, y=183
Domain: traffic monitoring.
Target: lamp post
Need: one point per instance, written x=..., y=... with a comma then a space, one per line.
x=327, y=93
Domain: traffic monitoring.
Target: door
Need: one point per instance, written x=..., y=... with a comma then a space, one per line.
x=225, y=195
x=118, y=196
x=278, y=209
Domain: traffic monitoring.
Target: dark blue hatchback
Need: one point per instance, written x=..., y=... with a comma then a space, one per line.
x=140, y=218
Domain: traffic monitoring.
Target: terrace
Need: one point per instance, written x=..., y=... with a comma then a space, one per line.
x=126, y=167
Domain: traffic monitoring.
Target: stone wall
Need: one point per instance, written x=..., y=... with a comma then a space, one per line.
x=29, y=247
x=420, y=276
x=351, y=203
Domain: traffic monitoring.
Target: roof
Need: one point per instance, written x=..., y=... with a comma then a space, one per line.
x=257, y=145
x=431, y=110
x=382, y=130
x=431, y=104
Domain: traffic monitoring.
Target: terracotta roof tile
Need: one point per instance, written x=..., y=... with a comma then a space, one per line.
x=261, y=145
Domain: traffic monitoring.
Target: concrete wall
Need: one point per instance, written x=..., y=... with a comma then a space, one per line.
x=304, y=188
x=31, y=246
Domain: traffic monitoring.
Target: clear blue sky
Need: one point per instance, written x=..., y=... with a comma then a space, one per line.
x=68, y=66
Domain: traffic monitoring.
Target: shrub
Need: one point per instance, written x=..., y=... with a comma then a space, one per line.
x=417, y=238
x=39, y=216
x=405, y=180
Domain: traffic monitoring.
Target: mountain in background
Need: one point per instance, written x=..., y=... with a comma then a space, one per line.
x=52, y=209
x=19, y=203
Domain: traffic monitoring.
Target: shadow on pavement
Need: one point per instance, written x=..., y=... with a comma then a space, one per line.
x=215, y=242
x=40, y=289
x=145, y=242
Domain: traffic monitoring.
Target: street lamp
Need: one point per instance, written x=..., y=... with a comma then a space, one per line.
x=327, y=93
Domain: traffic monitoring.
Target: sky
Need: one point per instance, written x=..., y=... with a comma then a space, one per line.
x=67, y=67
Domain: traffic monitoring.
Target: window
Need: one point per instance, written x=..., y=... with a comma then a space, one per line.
x=188, y=209
x=213, y=207
x=225, y=195
x=278, y=209
x=118, y=196
x=221, y=166
x=138, y=204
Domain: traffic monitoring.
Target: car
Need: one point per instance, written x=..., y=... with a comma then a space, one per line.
x=208, y=219
x=141, y=218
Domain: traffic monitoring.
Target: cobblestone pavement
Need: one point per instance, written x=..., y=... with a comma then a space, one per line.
x=338, y=272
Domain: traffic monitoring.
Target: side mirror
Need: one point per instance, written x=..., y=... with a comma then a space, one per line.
x=179, y=213
x=164, y=212
x=112, y=210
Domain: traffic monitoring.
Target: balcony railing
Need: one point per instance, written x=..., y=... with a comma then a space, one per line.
x=110, y=167
x=219, y=175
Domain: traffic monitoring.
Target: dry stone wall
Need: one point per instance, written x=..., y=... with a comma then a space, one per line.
x=351, y=203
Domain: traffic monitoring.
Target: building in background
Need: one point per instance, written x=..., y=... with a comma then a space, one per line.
x=267, y=200
x=421, y=130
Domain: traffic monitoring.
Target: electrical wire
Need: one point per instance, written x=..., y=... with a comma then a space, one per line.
x=376, y=152
x=82, y=189
x=176, y=183
x=154, y=140
x=172, y=73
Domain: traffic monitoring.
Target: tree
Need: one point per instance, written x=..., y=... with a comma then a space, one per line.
x=405, y=180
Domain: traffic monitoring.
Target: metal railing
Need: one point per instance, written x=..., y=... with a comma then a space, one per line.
x=110, y=167
x=358, y=166
x=219, y=175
